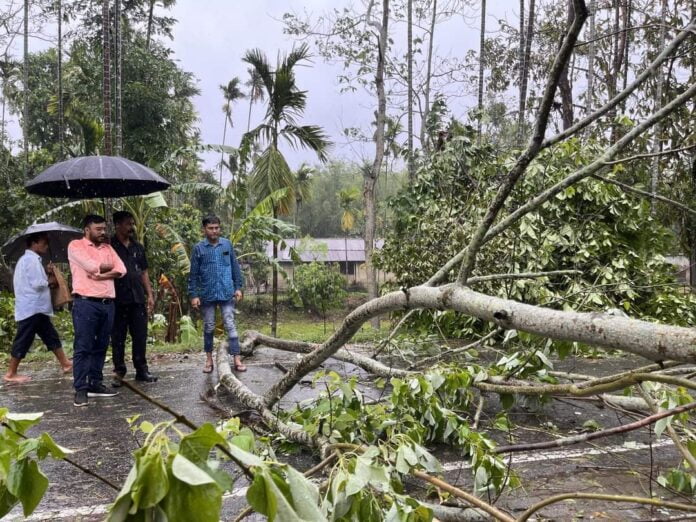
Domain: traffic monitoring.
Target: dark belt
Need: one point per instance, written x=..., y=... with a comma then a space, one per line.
x=102, y=300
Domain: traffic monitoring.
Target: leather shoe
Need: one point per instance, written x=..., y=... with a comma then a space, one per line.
x=116, y=381
x=146, y=377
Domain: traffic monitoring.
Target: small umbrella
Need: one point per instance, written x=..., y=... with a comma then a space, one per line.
x=59, y=236
x=96, y=177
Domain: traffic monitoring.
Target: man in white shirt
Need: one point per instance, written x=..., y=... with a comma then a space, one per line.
x=33, y=308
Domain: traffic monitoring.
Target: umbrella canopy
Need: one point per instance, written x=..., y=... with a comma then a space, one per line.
x=58, y=238
x=96, y=177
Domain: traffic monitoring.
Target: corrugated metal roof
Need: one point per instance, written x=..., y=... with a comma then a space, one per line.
x=326, y=250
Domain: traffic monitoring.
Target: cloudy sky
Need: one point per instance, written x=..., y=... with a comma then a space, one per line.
x=211, y=37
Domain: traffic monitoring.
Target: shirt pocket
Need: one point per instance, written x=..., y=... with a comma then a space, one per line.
x=226, y=258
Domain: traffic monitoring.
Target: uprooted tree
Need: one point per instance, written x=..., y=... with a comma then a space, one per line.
x=369, y=451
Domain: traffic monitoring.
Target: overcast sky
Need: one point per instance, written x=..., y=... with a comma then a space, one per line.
x=211, y=37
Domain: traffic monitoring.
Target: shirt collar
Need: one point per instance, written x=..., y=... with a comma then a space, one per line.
x=31, y=253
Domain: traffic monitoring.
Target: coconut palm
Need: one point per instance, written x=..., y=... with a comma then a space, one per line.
x=286, y=104
x=231, y=93
x=346, y=200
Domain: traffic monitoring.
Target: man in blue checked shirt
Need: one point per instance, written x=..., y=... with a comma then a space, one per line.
x=216, y=280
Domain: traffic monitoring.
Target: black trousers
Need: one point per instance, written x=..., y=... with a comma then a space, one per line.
x=27, y=329
x=131, y=317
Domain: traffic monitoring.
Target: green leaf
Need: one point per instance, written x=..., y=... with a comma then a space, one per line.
x=507, y=400
x=47, y=446
x=152, y=483
x=21, y=422
x=26, y=482
x=186, y=471
x=256, y=495
x=7, y=501
x=305, y=495
x=185, y=503
x=120, y=508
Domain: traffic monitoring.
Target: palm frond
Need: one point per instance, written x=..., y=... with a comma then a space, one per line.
x=258, y=60
x=295, y=56
x=308, y=136
x=88, y=205
x=271, y=173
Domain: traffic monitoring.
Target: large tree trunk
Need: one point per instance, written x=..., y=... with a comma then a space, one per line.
x=106, y=78
x=25, y=85
x=424, y=138
x=371, y=175
x=118, y=126
x=657, y=143
x=564, y=86
x=409, y=58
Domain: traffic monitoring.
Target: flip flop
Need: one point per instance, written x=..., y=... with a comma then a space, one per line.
x=240, y=368
x=208, y=368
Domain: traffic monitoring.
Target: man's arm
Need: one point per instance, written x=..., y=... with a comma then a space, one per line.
x=193, y=274
x=82, y=259
x=36, y=276
x=145, y=277
x=237, y=276
x=118, y=266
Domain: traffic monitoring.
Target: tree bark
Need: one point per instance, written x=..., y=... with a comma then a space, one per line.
x=590, y=59
x=274, y=311
x=61, y=138
x=525, y=72
x=150, y=16
x=520, y=63
x=370, y=175
x=409, y=58
x=564, y=87
x=106, y=78
x=657, y=135
x=25, y=85
x=118, y=124
x=424, y=138
x=482, y=41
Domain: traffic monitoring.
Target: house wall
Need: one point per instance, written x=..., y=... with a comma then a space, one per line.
x=360, y=276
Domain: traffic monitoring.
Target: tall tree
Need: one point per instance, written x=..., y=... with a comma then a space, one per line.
x=231, y=93
x=118, y=73
x=256, y=92
x=25, y=122
x=425, y=143
x=302, y=188
x=525, y=71
x=481, y=62
x=59, y=63
x=591, y=58
x=565, y=87
x=106, y=77
x=371, y=173
x=409, y=87
x=657, y=130
x=286, y=104
x=520, y=78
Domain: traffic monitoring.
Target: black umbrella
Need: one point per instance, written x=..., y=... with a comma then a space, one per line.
x=59, y=236
x=96, y=177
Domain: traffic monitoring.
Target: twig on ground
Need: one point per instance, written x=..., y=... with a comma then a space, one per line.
x=182, y=419
x=585, y=437
x=477, y=415
x=607, y=498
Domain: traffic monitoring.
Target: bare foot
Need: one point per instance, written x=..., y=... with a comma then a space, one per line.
x=67, y=369
x=16, y=379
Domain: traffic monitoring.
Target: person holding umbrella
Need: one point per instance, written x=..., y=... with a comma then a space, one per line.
x=94, y=266
x=33, y=308
x=134, y=301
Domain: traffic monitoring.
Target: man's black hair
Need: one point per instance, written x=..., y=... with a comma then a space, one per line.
x=121, y=215
x=35, y=238
x=211, y=219
x=91, y=219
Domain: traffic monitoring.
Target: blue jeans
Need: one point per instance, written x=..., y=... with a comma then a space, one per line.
x=92, y=322
x=227, y=309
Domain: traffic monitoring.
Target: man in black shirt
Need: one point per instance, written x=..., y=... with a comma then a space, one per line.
x=134, y=300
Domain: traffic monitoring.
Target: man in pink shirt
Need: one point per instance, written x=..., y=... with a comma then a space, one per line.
x=94, y=266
